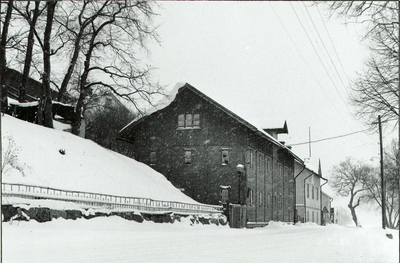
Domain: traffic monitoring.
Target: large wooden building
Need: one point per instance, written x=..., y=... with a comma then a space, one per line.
x=215, y=156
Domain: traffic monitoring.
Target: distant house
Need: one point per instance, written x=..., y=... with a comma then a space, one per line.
x=215, y=156
x=27, y=110
x=309, y=201
x=13, y=80
x=98, y=103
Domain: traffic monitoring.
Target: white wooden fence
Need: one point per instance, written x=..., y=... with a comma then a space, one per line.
x=145, y=205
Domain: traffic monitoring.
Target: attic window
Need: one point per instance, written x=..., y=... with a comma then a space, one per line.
x=188, y=121
x=196, y=120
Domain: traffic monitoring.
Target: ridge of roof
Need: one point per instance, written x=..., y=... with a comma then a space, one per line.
x=180, y=86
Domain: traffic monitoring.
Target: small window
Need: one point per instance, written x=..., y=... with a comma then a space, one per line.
x=308, y=191
x=312, y=214
x=189, y=121
x=181, y=121
x=196, y=120
x=225, y=157
x=317, y=192
x=312, y=192
x=260, y=199
x=188, y=157
x=152, y=158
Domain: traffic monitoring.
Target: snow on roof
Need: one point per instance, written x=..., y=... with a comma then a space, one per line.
x=164, y=102
x=22, y=104
x=85, y=166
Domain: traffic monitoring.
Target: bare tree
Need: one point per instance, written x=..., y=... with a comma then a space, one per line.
x=391, y=173
x=31, y=16
x=3, y=44
x=76, y=19
x=348, y=180
x=109, y=46
x=376, y=90
x=44, y=114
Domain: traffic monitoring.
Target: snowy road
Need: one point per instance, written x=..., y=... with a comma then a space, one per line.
x=116, y=240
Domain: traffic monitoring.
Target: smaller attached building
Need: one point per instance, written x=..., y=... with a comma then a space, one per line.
x=308, y=194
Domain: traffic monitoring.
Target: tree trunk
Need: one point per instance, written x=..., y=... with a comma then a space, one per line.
x=353, y=214
x=3, y=61
x=78, y=113
x=28, y=56
x=46, y=99
x=71, y=67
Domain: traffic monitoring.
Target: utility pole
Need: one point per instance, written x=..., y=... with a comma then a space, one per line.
x=383, y=186
x=309, y=140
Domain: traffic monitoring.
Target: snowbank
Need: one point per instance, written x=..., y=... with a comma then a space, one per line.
x=57, y=159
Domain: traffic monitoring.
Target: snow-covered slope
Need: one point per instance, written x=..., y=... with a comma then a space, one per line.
x=85, y=166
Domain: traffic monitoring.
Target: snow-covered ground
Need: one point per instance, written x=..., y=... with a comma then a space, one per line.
x=114, y=239
x=83, y=166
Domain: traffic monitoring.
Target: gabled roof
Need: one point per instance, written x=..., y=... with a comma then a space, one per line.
x=181, y=86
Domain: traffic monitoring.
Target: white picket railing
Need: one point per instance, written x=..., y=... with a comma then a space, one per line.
x=107, y=201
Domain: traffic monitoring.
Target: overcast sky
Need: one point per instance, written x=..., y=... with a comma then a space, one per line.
x=270, y=62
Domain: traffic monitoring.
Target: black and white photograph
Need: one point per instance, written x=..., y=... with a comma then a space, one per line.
x=199, y=131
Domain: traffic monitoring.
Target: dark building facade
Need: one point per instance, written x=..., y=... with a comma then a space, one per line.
x=212, y=155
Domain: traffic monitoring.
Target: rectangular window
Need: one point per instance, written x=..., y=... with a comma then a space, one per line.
x=317, y=192
x=196, y=120
x=260, y=201
x=181, y=121
x=225, y=157
x=308, y=191
x=188, y=157
x=189, y=121
x=152, y=158
x=312, y=191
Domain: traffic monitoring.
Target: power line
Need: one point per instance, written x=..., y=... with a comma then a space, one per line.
x=329, y=55
x=330, y=138
x=305, y=61
x=315, y=50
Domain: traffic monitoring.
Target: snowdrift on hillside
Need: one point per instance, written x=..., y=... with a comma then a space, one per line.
x=57, y=159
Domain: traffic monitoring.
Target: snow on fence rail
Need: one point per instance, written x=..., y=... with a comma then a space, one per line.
x=107, y=201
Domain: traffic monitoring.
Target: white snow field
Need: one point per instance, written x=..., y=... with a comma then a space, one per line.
x=113, y=239
x=85, y=166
